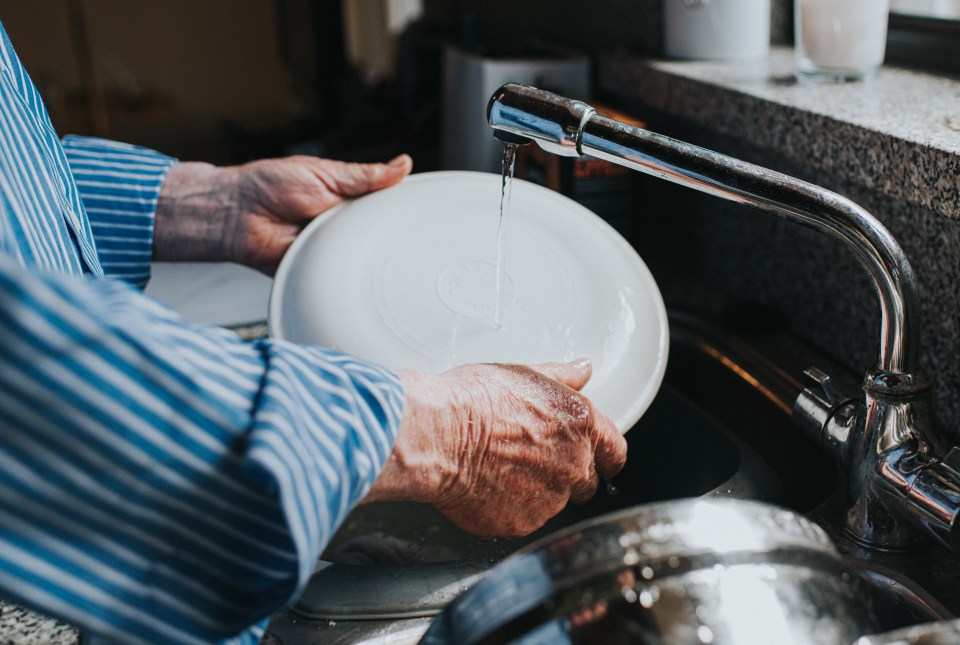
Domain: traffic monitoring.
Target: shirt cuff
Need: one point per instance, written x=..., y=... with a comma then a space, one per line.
x=328, y=419
x=119, y=185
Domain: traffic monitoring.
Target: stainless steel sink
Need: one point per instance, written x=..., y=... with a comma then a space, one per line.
x=676, y=450
x=720, y=426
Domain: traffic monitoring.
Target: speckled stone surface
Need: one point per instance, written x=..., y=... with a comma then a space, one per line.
x=21, y=627
x=899, y=133
x=891, y=145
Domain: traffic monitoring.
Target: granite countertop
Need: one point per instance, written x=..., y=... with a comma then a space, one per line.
x=898, y=133
x=19, y=626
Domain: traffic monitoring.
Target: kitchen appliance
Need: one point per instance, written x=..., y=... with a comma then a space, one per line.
x=470, y=76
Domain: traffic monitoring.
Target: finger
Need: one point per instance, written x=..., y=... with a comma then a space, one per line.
x=574, y=374
x=584, y=490
x=611, y=452
x=355, y=179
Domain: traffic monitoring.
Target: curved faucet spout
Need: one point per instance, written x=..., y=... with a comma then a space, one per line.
x=571, y=128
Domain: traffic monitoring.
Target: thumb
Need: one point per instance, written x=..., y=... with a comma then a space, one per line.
x=611, y=451
x=357, y=179
x=574, y=374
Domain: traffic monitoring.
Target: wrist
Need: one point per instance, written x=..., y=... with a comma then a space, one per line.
x=193, y=212
x=420, y=467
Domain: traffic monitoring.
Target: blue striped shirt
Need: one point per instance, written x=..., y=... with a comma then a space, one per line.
x=159, y=482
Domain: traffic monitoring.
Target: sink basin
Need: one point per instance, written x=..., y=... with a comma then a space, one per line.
x=403, y=560
x=676, y=450
x=744, y=446
x=745, y=374
x=720, y=426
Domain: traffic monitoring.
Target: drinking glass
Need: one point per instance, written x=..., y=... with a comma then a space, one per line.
x=840, y=40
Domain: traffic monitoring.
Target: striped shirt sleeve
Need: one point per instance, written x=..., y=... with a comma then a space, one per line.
x=119, y=185
x=168, y=483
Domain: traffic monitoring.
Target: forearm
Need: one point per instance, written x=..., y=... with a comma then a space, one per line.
x=197, y=477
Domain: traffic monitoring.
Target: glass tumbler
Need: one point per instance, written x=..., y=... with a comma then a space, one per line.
x=840, y=40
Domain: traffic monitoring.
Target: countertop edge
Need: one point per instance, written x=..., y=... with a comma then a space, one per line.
x=885, y=135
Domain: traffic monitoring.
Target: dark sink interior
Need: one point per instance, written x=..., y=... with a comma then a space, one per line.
x=720, y=425
x=747, y=380
x=710, y=431
x=676, y=450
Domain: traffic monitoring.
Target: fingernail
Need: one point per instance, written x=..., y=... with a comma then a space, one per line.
x=399, y=161
x=580, y=364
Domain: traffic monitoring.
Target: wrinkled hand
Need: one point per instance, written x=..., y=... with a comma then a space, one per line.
x=500, y=449
x=251, y=213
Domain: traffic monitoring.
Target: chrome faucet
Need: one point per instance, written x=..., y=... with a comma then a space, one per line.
x=901, y=480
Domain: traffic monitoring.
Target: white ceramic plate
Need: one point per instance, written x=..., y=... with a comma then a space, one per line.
x=407, y=277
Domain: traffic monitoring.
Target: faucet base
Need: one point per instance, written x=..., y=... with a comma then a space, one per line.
x=871, y=525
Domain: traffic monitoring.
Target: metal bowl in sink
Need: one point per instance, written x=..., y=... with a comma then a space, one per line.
x=720, y=571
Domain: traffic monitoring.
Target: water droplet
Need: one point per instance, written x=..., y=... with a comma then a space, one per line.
x=649, y=596
x=631, y=557
x=612, y=490
x=629, y=594
x=673, y=562
x=647, y=573
x=705, y=634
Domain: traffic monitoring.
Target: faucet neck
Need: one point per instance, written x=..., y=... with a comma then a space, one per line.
x=571, y=128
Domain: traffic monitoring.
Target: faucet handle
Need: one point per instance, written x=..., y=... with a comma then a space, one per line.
x=820, y=385
x=951, y=461
x=822, y=411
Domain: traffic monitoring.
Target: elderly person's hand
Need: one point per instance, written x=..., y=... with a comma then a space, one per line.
x=251, y=213
x=500, y=449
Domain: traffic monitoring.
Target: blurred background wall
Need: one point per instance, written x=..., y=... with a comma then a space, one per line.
x=229, y=80
x=141, y=65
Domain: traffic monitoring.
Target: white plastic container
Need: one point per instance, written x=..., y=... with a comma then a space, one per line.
x=716, y=29
x=471, y=77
